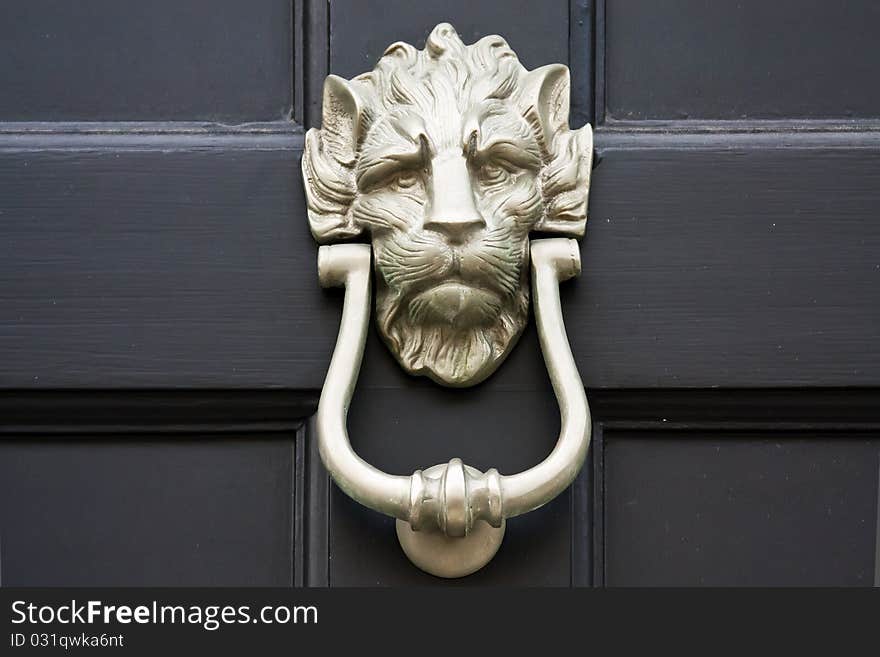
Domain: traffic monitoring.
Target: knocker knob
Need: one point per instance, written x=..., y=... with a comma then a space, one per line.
x=451, y=497
x=456, y=521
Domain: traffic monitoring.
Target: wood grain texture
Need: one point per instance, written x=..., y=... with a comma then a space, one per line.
x=733, y=266
x=158, y=261
x=100, y=60
x=691, y=59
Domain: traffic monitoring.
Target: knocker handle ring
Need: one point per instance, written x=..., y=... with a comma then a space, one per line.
x=451, y=517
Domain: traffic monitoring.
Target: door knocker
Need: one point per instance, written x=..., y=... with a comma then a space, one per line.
x=448, y=158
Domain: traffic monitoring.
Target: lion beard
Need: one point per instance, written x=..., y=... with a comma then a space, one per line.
x=450, y=353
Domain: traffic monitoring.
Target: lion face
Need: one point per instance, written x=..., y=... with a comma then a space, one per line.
x=448, y=158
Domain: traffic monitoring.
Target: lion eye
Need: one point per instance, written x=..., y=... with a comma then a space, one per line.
x=492, y=174
x=405, y=179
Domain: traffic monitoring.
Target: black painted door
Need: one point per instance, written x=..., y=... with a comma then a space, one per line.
x=163, y=337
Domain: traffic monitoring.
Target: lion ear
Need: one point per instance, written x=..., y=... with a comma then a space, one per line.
x=545, y=97
x=341, y=121
x=567, y=153
x=328, y=164
x=566, y=183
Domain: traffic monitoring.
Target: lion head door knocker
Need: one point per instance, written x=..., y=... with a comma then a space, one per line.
x=448, y=158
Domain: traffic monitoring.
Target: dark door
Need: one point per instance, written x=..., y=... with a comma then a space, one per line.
x=163, y=337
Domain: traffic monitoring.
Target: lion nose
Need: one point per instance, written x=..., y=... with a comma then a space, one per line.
x=456, y=227
x=451, y=209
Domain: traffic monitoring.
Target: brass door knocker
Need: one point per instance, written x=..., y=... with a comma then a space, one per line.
x=448, y=158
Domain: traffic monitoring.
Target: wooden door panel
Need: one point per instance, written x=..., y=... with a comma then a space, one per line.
x=147, y=510
x=733, y=261
x=689, y=59
x=166, y=60
x=194, y=267
x=159, y=260
x=764, y=508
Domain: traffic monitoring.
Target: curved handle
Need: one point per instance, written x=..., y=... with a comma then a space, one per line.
x=452, y=498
